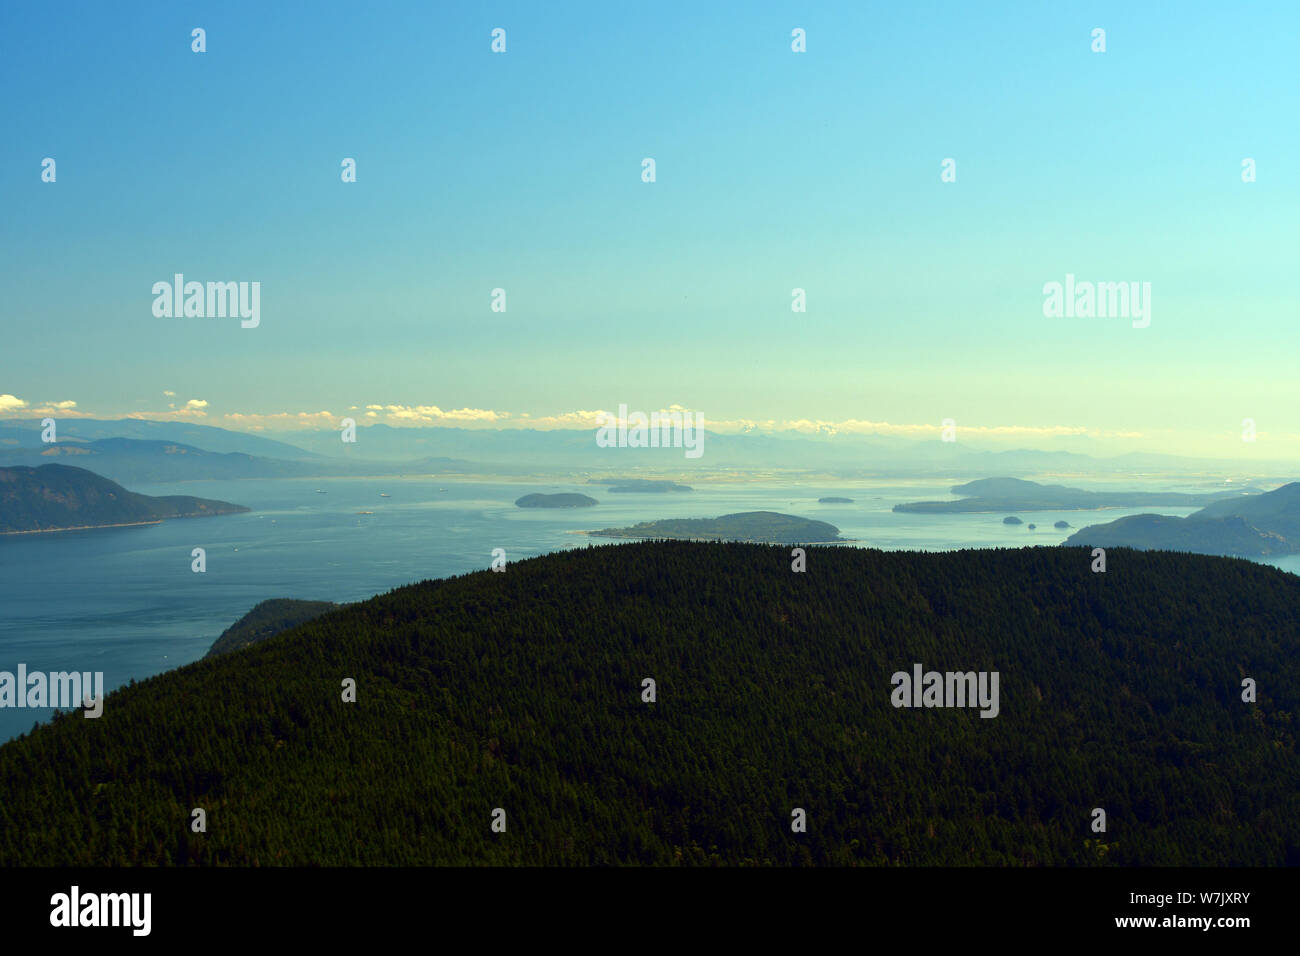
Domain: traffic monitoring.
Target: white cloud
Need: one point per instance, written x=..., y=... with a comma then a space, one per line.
x=429, y=414
x=286, y=420
x=191, y=409
x=64, y=409
x=580, y=419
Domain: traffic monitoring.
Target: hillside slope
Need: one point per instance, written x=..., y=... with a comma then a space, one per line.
x=266, y=620
x=522, y=690
x=1016, y=494
x=1255, y=525
x=56, y=497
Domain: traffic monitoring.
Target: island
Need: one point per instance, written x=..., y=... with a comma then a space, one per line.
x=835, y=501
x=65, y=498
x=268, y=619
x=1011, y=519
x=1015, y=494
x=1061, y=524
x=1249, y=526
x=629, y=486
x=556, y=501
x=768, y=527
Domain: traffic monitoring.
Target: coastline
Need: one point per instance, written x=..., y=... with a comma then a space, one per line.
x=84, y=527
x=126, y=524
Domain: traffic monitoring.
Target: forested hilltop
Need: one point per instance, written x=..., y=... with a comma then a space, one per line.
x=522, y=690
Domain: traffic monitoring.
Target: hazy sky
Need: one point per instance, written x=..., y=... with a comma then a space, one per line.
x=775, y=170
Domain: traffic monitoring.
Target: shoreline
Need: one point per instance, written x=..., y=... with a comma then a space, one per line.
x=84, y=527
x=125, y=524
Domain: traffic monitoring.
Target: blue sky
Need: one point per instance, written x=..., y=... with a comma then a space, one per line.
x=775, y=170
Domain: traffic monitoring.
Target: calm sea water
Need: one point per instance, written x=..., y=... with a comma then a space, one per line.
x=125, y=601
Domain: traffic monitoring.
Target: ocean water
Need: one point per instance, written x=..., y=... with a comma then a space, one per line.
x=126, y=602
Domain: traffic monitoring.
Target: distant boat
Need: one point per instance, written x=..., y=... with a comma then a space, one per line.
x=365, y=512
x=442, y=489
x=319, y=492
x=382, y=495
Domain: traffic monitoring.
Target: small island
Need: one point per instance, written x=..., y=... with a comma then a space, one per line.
x=1031, y=527
x=764, y=527
x=555, y=501
x=1061, y=524
x=1011, y=519
x=631, y=486
x=835, y=501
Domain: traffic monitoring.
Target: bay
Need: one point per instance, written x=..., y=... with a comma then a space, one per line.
x=126, y=602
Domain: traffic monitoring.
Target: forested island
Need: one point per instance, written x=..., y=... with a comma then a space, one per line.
x=835, y=501
x=627, y=486
x=566, y=500
x=526, y=691
x=64, y=498
x=1016, y=494
x=1255, y=526
x=752, y=526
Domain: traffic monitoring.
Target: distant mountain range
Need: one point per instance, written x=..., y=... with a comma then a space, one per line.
x=60, y=497
x=845, y=455
x=1016, y=494
x=26, y=433
x=1259, y=526
x=385, y=449
x=576, y=450
x=138, y=461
